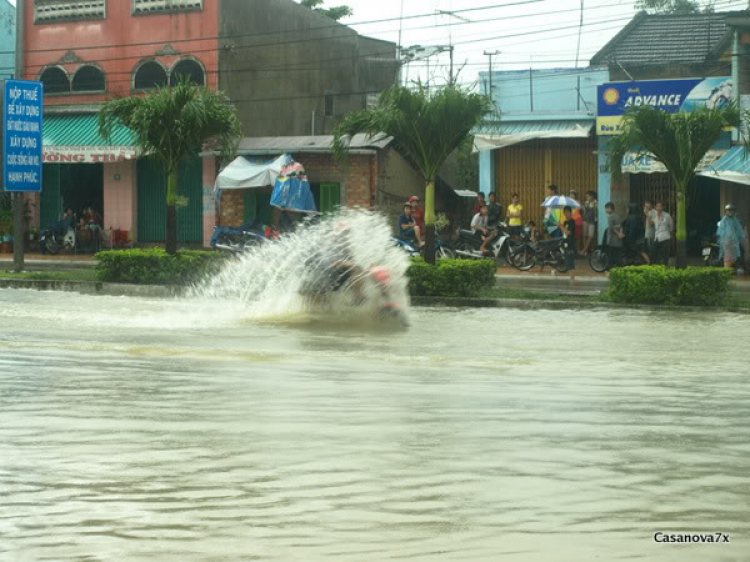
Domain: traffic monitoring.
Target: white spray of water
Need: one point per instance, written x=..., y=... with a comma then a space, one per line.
x=277, y=280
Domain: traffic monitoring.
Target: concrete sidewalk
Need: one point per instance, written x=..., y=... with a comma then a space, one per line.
x=39, y=262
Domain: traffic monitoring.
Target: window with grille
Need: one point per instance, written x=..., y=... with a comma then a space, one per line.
x=55, y=81
x=88, y=79
x=150, y=75
x=329, y=104
x=48, y=11
x=187, y=69
x=146, y=7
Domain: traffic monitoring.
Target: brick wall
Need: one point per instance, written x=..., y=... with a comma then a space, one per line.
x=232, y=207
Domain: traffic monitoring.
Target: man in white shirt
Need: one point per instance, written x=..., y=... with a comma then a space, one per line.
x=479, y=226
x=663, y=228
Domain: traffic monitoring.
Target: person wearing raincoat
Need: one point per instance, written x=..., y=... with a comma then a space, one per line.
x=731, y=235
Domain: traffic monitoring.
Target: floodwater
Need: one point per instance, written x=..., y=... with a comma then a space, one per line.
x=173, y=430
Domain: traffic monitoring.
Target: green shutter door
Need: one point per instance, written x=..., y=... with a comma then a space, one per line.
x=152, y=207
x=250, y=205
x=330, y=197
x=51, y=206
x=190, y=217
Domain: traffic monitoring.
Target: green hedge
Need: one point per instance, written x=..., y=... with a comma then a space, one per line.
x=155, y=267
x=450, y=278
x=655, y=284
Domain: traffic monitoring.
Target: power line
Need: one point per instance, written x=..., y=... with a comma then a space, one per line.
x=262, y=33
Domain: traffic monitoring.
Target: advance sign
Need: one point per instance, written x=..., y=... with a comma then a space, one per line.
x=22, y=135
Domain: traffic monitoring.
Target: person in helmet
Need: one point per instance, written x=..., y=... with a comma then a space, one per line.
x=730, y=234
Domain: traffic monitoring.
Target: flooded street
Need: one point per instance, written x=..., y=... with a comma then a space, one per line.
x=176, y=430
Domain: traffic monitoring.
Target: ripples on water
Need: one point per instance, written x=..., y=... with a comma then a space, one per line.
x=170, y=430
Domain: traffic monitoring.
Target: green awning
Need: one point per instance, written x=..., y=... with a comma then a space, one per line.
x=76, y=139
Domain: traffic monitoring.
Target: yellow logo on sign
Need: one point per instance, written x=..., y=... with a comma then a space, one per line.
x=611, y=96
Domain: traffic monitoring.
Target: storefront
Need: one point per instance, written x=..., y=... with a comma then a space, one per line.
x=644, y=178
x=526, y=157
x=83, y=170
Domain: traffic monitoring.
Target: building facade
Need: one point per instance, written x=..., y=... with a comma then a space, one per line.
x=287, y=70
x=7, y=40
x=661, y=53
x=545, y=135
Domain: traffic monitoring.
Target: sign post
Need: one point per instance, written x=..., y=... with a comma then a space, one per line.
x=22, y=151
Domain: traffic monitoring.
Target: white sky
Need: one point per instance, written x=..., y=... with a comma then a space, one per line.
x=542, y=48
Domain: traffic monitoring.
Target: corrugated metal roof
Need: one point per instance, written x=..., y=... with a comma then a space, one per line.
x=510, y=133
x=660, y=39
x=322, y=143
x=82, y=130
x=733, y=166
x=518, y=127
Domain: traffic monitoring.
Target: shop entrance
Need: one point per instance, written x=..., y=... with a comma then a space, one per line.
x=74, y=187
x=702, y=209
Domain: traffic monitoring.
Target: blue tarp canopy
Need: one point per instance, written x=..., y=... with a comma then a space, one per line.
x=293, y=193
x=734, y=166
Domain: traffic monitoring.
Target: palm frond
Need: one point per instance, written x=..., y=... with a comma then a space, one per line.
x=426, y=129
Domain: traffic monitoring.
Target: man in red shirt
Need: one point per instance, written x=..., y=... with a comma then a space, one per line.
x=417, y=213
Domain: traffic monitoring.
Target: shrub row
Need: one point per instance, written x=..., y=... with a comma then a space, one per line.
x=155, y=267
x=652, y=284
x=450, y=278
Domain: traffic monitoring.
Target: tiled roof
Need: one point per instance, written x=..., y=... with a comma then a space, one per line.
x=651, y=39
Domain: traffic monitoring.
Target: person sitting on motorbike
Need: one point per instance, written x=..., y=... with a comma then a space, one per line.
x=730, y=234
x=408, y=231
x=534, y=233
x=494, y=211
x=480, y=228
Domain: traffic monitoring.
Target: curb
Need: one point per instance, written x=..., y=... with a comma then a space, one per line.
x=459, y=302
x=93, y=288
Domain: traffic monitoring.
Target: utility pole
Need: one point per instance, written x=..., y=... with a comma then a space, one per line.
x=450, y=47
x=491, y=54
x=19, y=203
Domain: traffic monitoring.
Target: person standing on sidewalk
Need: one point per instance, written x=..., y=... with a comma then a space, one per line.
x=515, y=209
x=569, y=245
x=648, y=222
x=551, y=227
x=663, y=228
x=614, y=237
x=589, y=221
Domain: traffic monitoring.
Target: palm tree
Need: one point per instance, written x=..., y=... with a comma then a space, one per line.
x=173, y=123
x=679, y=141
x=426, y=129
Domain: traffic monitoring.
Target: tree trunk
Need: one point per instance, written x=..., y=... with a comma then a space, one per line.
x=429, y=221
x=681, y=236
x=171, y=234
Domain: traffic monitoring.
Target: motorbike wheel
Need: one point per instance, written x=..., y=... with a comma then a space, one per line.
x=524, y=259
x=445, y=253
x=558, y=261
x=599, y=260
x=52, y=246
x=465, y=247
x=231, y=242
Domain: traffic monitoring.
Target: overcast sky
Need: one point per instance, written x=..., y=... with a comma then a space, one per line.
x=538, y=33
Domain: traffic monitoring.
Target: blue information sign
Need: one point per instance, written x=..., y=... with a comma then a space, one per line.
x=22, y=135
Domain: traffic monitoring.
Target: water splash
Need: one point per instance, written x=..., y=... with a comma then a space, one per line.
x=287, y=279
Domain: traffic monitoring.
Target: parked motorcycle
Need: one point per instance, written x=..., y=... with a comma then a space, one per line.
x=442, y=251
x=501, y=246
x=542, y=253
x=632, y=254
x=237, y=239
x=60, y=235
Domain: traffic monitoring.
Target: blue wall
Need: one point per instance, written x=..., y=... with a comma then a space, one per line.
x=7, y=39
x=554, y=91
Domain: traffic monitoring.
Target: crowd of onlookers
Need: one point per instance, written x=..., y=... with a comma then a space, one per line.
x=645, y=233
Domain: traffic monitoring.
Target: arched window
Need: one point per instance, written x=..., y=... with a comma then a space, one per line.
x=191, y=70
x=88, y=79
x=150, y=75
x=55, y=80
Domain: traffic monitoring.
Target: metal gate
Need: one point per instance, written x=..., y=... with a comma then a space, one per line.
x=152, y=206
x=51, y=199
